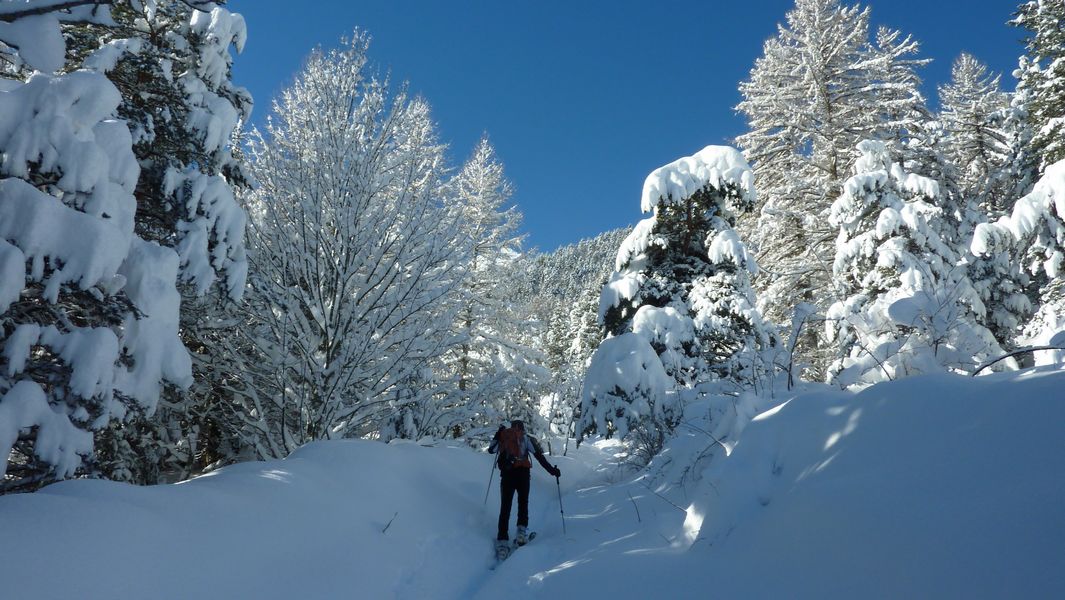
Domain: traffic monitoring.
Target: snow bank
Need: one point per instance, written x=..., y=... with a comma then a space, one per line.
x=716, y=166
x=334, y=520
x=935, y=487
x=938, y=486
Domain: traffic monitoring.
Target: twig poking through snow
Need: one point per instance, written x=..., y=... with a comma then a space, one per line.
x=666, y=499
x=638, y=519
x=390, y=522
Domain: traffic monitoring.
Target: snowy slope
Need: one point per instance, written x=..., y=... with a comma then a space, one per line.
x=935, y=486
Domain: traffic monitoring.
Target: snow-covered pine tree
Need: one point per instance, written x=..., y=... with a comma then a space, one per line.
x=973, y=109
x=90, y=309
x=894, y=85
x=492, y=372
x=353, y=255
x=561, y=290
x=1042, y=77
x=679, y=310
x=907, y=307
x=820, y=87
x=977, y=117
x=1036, y=227
x=172, y=63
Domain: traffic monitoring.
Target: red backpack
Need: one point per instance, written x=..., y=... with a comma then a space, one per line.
x=512, y=449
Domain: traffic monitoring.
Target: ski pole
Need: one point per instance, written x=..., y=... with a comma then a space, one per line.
x=559, y=486
x=489, y=489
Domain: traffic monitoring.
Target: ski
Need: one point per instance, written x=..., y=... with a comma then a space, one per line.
x=510, y=549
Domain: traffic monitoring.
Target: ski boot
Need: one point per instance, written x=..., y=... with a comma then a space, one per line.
x=522, y=537
x=502, y=549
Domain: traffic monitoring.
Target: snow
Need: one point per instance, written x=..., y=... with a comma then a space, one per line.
x=724, y=245
x=636, y=244
x=59, y=442
x=90, y=249
x=152, y=341
x=38, y=39
x=214, y=239
x=621, y=287
x=935, y=486
x=665, y=326
x=91, y=353
x=716, y=166
x=12, y=274
x=626, y=381
x=106, y=57
x=1042, y=210
x=48, y=123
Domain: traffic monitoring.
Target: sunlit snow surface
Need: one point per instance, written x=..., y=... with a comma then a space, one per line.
x=935, y=486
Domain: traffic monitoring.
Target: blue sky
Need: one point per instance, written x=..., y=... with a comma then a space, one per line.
x=583, y=98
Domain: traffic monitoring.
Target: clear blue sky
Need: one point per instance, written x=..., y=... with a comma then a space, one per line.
x=583, y=98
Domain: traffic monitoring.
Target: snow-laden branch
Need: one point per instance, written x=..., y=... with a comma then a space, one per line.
x=1017, y=352
x=12, y=11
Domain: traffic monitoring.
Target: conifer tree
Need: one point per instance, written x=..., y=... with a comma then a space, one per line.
x=1042, y=77
x=172, y=63
x=977, y=117
x=679, y=310
x=91, y=338
x=1035, y=232
x=821, y=86
x=906, y=306
x=493, y=371
x=973, y=111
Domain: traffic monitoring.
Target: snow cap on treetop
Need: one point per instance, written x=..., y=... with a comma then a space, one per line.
x=716, y=166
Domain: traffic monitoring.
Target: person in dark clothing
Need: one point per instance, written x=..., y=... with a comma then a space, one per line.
x=514, y=447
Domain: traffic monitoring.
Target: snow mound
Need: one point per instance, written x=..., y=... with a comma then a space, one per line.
x=716, y=166
x=626, y=380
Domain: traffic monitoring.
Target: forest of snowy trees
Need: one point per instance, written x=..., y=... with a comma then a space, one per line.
x=180, y=290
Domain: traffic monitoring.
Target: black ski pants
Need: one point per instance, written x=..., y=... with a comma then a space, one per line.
x=510, y=481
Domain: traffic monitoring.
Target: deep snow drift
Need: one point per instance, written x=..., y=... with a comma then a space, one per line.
x=935, y=486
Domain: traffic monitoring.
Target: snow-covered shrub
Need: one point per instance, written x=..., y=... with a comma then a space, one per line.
x=625, y=389
x=681, y=290
x=906, y=306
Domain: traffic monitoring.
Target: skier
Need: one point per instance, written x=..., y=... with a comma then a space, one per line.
x=514, y=447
